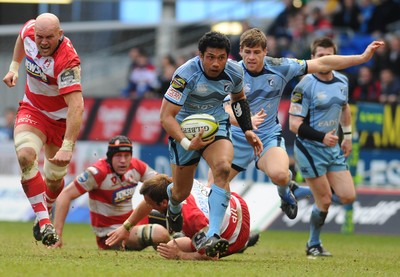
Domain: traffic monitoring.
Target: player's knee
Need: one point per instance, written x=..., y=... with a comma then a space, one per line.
x=152, y=235
x=222, y=170
x=53, y=172
x=27, y=146
x=348, y=199
x=280, y=178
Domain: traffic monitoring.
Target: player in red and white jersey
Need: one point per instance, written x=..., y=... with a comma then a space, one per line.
x=235, y=227
x=110, y=183
x=50, y=114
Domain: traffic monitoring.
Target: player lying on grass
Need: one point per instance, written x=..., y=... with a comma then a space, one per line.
x=235, y=226
x=111, y=183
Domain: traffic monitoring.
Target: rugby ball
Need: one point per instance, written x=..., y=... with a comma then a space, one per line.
x=192, y=125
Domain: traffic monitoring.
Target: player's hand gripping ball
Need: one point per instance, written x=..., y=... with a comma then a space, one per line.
x=192, y=125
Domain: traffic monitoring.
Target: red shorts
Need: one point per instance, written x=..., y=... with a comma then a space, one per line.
x=54, y=130
x=244, y=233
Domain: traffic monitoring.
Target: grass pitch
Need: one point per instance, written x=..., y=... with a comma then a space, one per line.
x=276, y=254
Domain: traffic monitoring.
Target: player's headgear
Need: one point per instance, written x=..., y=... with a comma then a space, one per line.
x=118, y=144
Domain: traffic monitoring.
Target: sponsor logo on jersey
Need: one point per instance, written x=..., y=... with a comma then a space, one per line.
x=297, y=97
x=300, y=62
x=178, y=83
x=295, y=108
x=174, y=94
x=125, y=193
x=70, y=76
x=83, y=177
x=271, y=82
x=35, y=71
x=228, y=87
x=328, y=123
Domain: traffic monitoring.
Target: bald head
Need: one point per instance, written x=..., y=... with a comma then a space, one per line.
x=47, y=33
x=47, y=20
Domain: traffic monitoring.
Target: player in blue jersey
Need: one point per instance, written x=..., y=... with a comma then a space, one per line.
x=200, y=86
x=264, y=81
x=319, y=103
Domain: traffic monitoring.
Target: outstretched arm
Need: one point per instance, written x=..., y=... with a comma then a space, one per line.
x=337, y=62
x=122, y=232
x=180, y=249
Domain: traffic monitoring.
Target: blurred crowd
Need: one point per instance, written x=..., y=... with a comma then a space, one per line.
x=353, y=24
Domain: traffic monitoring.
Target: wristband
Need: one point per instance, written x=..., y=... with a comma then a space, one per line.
x=14, y=67
x=67, y=145
x=185, y=143
x=127, y=225
x=347, y=132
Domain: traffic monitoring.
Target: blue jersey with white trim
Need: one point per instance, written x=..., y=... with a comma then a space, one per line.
x=197, y=93
x=264, y=90
x=320, y=102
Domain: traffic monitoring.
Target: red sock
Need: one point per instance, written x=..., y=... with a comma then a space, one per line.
x=51, y=196
x=34, y=189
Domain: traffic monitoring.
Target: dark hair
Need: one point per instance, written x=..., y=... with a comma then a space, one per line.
x=214, y=40
x=324, y=42
x=156, y=187
x=118, y=144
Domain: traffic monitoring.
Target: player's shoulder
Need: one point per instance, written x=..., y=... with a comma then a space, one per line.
x=341, y=76
x=189, y=69
x=28, y=29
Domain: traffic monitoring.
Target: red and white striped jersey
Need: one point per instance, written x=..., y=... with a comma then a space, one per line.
x=48, y=78
x=235, y=225
x=110, y=195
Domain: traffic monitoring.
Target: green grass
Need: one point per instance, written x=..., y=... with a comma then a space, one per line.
x=276, y=254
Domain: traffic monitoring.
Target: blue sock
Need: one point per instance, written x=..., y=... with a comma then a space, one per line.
x=302, y=192
x=174, y=207
x=218, y=201
x=317, y=220
x=336, y=199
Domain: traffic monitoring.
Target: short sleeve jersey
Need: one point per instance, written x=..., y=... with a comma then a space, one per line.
x=319, y=102
x=264, y=90
x=109, y=194
x=48, y=78
x=197, y=93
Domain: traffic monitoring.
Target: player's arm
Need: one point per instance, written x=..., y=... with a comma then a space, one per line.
x=19, y=53
x=337, y=62
x=345, y=122
x=304, y=130
x=180, y=249
x=256, y=119
x=63, y=203
x=241, y=111
x=122, y=232
x=168, y=113
x=74, y=100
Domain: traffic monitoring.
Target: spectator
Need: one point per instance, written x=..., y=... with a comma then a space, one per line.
x=385, y=13
x=394, y=54
x=368, y=88
x=7, y=129
x=381, y=59
x=366, y=11
x=390, y=87
x=168, y=67
x=142, y=80
x=280, y=26
x=347, y=16
x=319, y=24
